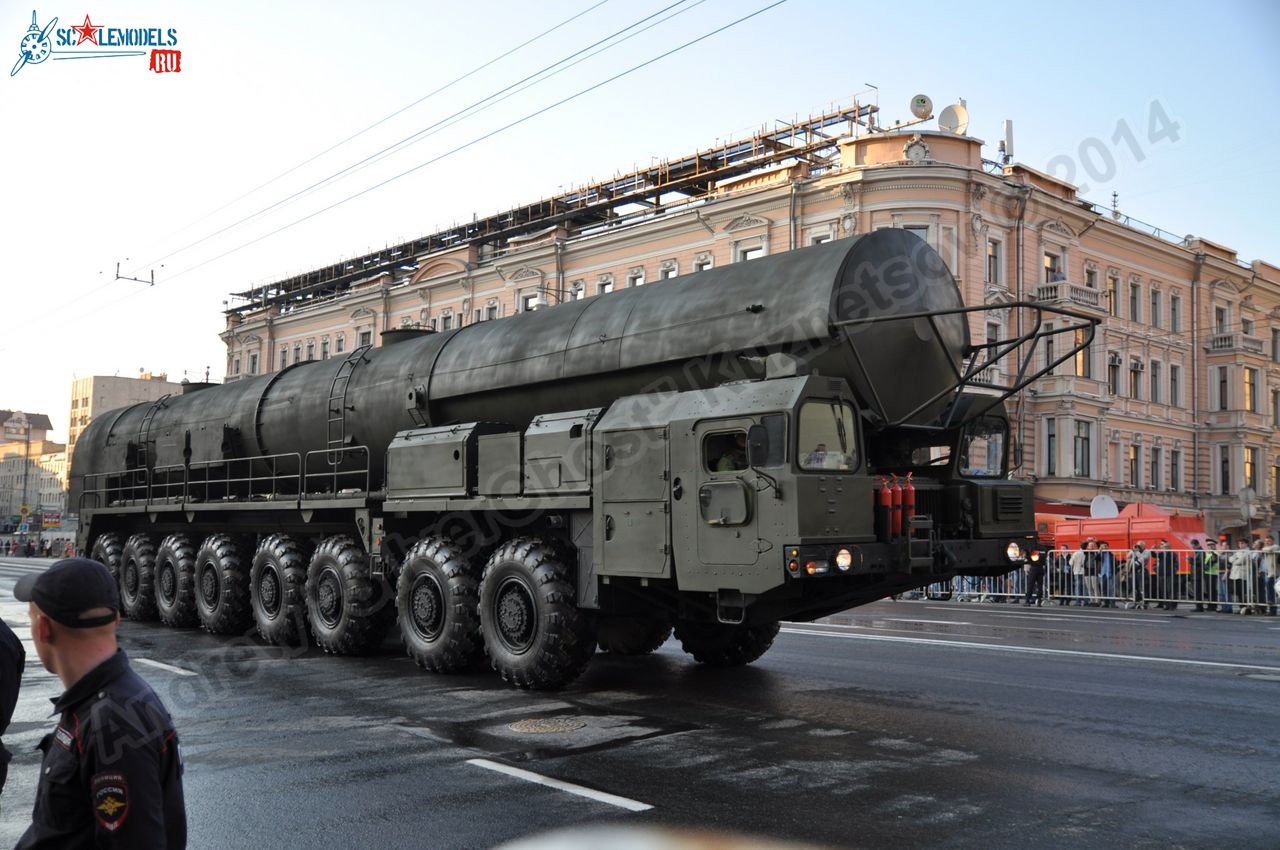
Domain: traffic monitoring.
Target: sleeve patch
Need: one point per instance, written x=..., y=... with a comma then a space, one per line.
x=63, y=737
x=110, y=795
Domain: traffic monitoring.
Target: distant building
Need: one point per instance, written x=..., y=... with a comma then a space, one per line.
x=32, y=473
x=100, y=393
x=1176, y=402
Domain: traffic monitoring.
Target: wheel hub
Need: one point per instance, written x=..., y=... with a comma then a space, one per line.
x=269, y=592
x=131, y=579
x=209, y=586
x=426, y=607
x=168, y=583
x=517, y=617
x=329, y=595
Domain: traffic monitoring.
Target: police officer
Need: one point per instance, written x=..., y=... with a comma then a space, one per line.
x=12, y=660
x=111, y=774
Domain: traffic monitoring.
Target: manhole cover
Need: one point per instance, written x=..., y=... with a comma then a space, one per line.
x=546, y=725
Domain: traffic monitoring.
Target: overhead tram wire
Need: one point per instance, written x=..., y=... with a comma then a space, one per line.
x=430, y=129
x=473, y=142
x=379, y=122
x=488, y=102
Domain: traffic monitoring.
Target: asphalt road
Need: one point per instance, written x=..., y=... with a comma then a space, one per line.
x=906, y=724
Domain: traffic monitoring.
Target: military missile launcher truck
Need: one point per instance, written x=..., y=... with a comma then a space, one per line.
x=711, y=454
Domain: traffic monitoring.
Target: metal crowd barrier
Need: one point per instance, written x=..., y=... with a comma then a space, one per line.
x=1168, y=579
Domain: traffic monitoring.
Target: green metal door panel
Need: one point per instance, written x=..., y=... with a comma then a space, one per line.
x=632, y=519
x=635, y=539
x=634, y=465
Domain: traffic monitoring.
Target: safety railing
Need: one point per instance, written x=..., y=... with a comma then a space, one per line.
x=1230, y=580
x=286, y=476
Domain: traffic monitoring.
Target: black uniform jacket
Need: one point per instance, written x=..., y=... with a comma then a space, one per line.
x=111, y=774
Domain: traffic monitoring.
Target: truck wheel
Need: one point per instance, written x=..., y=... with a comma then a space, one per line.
x=277, y=590
x=632, y=635
x=176, y=582
x=534, y=632
x=437, y=600
x=350, y=611
x=138, y=578
x=106, y=551
x=725, y=645
x=222, y=587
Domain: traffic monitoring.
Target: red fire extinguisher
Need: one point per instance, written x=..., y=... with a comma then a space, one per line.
x=908, y=505
x=895, y=515
x=884, y=507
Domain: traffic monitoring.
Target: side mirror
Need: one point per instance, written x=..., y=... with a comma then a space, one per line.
x=1015, y=461
x=757, y=446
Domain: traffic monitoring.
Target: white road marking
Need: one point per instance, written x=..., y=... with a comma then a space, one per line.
x=164, y=666
x=1067, y=618
x=903, y=620
x=589, y=793
x=1033, y=650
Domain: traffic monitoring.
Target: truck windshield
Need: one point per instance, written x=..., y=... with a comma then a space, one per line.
x=983, y=448
x=828, y=437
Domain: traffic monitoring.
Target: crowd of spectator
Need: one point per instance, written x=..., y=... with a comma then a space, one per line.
x=32, y=547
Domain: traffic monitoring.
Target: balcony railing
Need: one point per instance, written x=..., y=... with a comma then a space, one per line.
x=1063, y=292
x=1235, y=342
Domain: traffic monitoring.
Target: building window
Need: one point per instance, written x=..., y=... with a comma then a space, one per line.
x=1113, y=373
x=253, y=363
x=446, y=322
x=1156, y=460
x=1053, y=268
x=578, y=291
x=1051, y=446
x=1155, y=308
x=324, y=348
x=1175, y=314
x=1275, y=411
x=994, y=277
x=1175, y=385
x=1084, y=358
x=284, y=356
x=1175, y=471
x=1275, y=345
x=1135, y=302
x=1113, y=294
x=366, y=338
x=528, y=301
x=1251, y=389
x=1246, y=326
x=311, y=351
x=635, y=277
x=1221, y=320
x=235, y=365
x=605, y=285
x=1135, y=468
x=1091, y=278
x=1223, y=396
x=668, y=270
x=751, y=253
x=1275, y=480
x=1156, y=378
x=1224, y=470
x=1135, y=379
x=1251, y=467
x=702, y=262
x=1049, y=365
x=1083, y=464
x=340, y=344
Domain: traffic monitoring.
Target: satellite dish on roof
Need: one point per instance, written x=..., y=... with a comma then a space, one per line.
x=1103, y=507
x=954, y=119
x=921, y=106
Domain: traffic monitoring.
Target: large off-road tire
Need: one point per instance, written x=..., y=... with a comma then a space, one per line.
x=534, y=632
x=278, y=590
x=633, y=635
x=437, y=601
x=106, y=550
x=222, y=587
x=138, y=578
x=349, y=610
x=176, y=582
x=725, y=645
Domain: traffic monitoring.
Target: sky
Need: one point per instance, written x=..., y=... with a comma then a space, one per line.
x=208, y=176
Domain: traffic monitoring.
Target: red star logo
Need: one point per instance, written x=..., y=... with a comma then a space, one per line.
x=87, y=31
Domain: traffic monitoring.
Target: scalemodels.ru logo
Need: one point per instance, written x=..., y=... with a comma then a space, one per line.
x=79, y=42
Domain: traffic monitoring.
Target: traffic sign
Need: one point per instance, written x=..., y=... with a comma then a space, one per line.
x=24, y=510
x=22, y=529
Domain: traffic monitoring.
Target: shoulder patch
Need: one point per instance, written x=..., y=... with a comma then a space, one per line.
x=110, y=795
x=63, y=737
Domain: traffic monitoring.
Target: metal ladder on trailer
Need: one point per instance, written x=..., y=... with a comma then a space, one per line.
x=338, y=404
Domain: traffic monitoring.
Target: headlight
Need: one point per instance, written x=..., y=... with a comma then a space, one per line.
x=1035, y=556
x=844, y=559
x=1014, y=551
